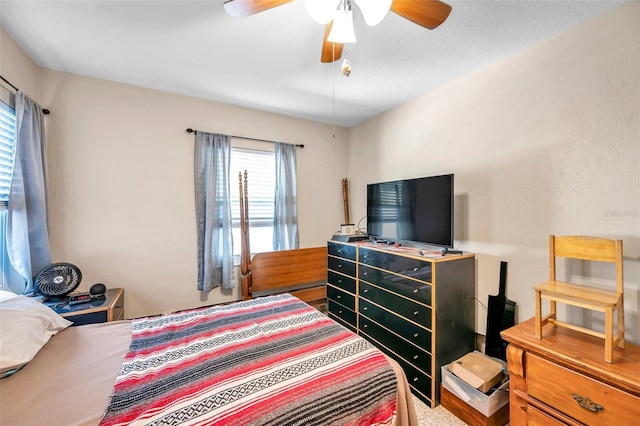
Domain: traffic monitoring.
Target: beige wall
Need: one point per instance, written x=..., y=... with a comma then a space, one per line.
x=122, y=203
x=17, y=67
x=543, y=142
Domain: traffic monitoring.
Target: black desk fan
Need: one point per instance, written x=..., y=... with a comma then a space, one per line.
x=57, y=280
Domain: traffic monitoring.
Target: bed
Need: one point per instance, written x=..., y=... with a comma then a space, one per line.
x=271, y=359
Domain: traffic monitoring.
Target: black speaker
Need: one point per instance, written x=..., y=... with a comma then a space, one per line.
x=97, y=290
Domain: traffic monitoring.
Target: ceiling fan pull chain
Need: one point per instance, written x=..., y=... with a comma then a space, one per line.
x=333, y=94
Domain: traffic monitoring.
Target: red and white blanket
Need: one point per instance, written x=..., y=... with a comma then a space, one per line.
x=267, y=361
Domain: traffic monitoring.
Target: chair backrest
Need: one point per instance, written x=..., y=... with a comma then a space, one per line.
x=587, y=248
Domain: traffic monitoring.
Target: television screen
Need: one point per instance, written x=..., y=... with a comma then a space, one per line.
x=419, y=210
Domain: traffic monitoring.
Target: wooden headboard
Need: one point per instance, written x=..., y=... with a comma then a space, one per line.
x=301, y=272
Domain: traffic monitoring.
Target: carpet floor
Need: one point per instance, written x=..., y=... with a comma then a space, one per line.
x=438, y=416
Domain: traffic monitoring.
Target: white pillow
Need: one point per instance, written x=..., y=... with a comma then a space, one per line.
x=4, y=295
x=26, y=325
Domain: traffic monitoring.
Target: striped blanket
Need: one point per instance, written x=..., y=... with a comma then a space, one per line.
x=267, y=361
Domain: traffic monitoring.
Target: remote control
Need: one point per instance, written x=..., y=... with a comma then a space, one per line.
x=447, y=251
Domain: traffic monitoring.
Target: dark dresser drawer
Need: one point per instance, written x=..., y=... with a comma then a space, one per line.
x=414, y=268
x=409, y=352
x=342, y=281
x=346, y=299
x=415, y=377
x=343, y=266
x=342, y=250
x=90, y=318
x=409, y=331
x=397, y=283
x=406, y=308
x=343, y=314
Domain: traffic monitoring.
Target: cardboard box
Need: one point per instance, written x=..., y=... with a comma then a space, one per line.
x=478, y=370
x=487, y=405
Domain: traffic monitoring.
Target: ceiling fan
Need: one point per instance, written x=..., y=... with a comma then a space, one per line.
x=426, y=13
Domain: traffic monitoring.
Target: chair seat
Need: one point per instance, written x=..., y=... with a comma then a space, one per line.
x=578, y=295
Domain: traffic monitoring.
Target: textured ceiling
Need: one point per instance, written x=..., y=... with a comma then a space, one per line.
x=271, y=61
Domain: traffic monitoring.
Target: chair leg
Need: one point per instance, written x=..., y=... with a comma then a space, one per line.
x=538, y=323
x=608, y=335
x=621, y=323
x=553, y=311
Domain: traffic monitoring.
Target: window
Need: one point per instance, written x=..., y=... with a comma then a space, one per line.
x=7, y=136
x=7, y=139
x=260, y=166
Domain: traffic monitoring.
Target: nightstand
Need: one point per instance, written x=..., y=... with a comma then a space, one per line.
x=109, y=308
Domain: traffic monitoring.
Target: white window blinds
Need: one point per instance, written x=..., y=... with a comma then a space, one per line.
x=7, y=138
x=260, y=166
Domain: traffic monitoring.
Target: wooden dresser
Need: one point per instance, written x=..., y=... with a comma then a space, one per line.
x=418, y=310
x=563, y=379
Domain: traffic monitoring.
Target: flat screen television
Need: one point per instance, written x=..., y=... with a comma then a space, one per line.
x=412, y=210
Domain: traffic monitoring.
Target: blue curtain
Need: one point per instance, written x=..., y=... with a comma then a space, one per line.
x=27, y=232
x=285, y=217
x=213, y=211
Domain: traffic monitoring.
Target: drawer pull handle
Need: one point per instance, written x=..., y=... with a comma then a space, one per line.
x=415, y=380
x=415, y=290
x=339, y=281
x=588, y=404
x=364, y=309
x=415, y=357
x=366, y=290
x=340, y=265
x=415, y=269
x=339, y=250
x=366, y=325
x=365, y=273
x=339, y=312
x=339, y=296
x=415, y=313
x=415, y=335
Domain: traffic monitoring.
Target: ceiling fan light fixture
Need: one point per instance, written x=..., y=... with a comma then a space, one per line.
x=321, y=11
x=374, y=11
x=342, y=29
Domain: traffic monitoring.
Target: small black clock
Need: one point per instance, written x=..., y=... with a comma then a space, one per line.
x=78, y=298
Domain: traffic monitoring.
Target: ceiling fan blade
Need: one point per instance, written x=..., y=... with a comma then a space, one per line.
x=426, y=13
x=244, y=8
x=330, y=51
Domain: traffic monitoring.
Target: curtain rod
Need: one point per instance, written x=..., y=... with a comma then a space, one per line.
x=299, y=145
x=44, y=110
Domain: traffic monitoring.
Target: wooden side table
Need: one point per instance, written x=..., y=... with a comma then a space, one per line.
x=109, y=308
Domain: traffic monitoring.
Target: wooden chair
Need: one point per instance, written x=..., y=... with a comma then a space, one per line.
x=587, y=297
